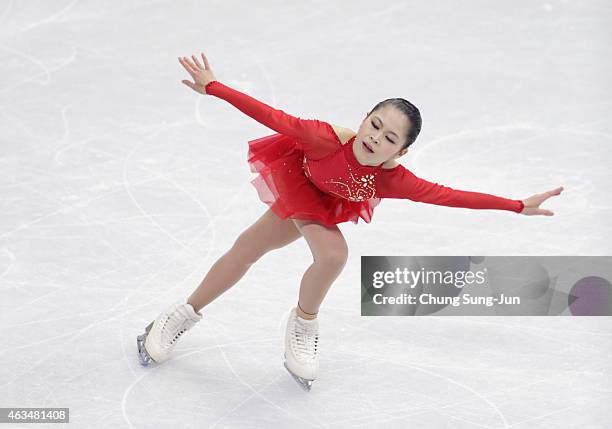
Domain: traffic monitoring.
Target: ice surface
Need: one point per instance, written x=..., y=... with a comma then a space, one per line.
x=121, y=186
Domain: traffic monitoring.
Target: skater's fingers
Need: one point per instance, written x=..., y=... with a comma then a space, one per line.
x=191, y=64
x=187, y=65
x=197, y=62
x=555, y=191
x=206, y=65
x=184, y=64
x=546, y=195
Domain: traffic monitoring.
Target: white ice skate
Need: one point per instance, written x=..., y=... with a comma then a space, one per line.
x=302, y=349
x=161, y=335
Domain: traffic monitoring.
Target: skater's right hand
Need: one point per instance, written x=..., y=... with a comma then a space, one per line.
x=201, y=75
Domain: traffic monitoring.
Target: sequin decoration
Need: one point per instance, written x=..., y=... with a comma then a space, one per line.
x=306, y=168
x=360, y=188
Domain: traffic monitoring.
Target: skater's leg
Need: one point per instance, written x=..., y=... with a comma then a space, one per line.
x=269, y=232
x=330, y=253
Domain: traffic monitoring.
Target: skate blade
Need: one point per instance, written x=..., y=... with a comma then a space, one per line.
x=304, y=384
x=143, y=356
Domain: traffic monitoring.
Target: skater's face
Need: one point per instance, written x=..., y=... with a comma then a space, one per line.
x=384, y=130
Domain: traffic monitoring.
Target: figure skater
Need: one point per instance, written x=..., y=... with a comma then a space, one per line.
x=313, y=176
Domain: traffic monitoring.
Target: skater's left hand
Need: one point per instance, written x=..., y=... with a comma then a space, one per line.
x=532, y=204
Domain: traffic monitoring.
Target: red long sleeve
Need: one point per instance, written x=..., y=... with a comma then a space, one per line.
x=310, y=131
x=402, y=183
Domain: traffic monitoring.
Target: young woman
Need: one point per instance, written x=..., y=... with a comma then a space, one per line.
x=313, y=175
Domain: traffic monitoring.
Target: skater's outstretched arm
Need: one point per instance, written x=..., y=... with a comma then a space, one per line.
x=402, y=183
x=309, y=130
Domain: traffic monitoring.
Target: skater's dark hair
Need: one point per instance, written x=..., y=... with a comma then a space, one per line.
x=411, y=112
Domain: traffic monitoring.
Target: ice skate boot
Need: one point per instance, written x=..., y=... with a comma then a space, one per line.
x=302, y=349
x=161, y=335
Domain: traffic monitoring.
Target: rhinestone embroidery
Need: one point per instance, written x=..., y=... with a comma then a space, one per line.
x=361, y=187
x=306, y=168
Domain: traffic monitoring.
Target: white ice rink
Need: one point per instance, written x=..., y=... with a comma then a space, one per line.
x=120, y=187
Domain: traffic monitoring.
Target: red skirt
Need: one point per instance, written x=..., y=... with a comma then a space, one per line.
x=285, y=188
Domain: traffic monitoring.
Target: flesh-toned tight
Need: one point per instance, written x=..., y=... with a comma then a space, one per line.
x=269, y=232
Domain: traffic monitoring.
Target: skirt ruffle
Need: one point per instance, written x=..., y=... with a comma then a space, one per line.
x=284, y=187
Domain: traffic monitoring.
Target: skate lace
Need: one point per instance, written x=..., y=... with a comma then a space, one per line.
x=305, y=341
x=173, y=328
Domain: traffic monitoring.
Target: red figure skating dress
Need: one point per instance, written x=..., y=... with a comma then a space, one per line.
x=305, y=172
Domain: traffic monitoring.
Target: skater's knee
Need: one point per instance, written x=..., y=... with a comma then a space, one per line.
x=333, y=256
